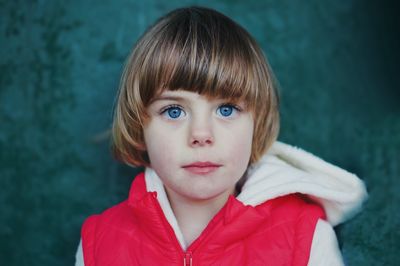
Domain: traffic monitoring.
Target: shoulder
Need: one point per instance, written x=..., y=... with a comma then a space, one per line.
x=119, y=214
x=293, y=207
x=293, y=213
x=301, y=216
x=122, y=213
x=107, y=225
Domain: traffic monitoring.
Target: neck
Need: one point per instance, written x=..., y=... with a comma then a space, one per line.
x=194, y=215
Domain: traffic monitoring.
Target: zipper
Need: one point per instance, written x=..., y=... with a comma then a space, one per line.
x=188, y=259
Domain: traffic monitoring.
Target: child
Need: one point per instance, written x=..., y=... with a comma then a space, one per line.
x=198, y=108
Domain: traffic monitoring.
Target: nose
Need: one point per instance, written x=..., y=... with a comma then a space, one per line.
x=201, y=133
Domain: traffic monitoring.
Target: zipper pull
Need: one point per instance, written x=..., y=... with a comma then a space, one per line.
x=188, y=259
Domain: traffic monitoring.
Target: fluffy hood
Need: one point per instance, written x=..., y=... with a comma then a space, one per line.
x=286, y=169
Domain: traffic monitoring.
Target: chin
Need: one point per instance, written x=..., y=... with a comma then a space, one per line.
x=205, y=195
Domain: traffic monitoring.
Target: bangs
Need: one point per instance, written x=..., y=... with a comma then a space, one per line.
x=199, y=53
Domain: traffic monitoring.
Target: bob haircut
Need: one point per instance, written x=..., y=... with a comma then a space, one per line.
x=198, y=50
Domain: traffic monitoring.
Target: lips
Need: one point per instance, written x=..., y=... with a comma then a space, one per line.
x=201, y=168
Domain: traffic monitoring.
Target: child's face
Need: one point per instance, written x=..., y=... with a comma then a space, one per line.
x=198, y=147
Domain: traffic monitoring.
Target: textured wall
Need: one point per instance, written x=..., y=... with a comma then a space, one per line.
x=60, y=63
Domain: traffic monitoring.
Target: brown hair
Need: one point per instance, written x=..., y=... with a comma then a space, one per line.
x=199, y=50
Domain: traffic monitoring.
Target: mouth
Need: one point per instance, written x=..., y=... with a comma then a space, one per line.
x=201, y=168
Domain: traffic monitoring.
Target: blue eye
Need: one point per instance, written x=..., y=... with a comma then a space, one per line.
x=173, y=112
x=226, y=110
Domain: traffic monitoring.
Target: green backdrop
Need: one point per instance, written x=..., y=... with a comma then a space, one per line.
x=60, y=64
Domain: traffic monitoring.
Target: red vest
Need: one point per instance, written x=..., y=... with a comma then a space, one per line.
x=136, y=232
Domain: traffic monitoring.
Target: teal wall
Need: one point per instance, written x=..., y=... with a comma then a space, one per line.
x=60, y=64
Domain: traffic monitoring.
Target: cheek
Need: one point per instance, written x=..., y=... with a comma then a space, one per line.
x=240, y=143
x=160, y=145
x=243, y=148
